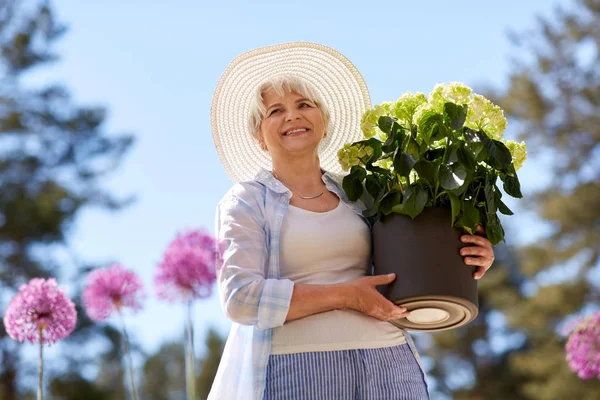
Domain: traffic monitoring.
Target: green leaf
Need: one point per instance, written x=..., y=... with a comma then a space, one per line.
x=473, y=136
x=456, y=206
x=395, y=137
x=414, y=200
x=452, y=153
x=389, y=201
x=403, y=163
x=470, y=217
x=455, y=115
x=374, y=168
x=452, y=177
x=432, y=127
x=494, y=230
x=499, y=155
x=373, y=186
x=466, y=157
x=353, y=187
x=427, y=171
x=434, y=154
x=411, y=146
x=490, y=197
x=385, y=123
x=478, y=150
x=512, y=186
x=358, y=172
x=503, y=208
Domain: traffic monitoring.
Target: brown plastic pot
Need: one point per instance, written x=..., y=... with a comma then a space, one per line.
x=432, y=280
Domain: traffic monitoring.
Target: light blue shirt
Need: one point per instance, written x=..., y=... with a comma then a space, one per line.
x=248, y=225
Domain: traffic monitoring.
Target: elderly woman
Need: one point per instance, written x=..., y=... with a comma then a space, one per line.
x=308, y=323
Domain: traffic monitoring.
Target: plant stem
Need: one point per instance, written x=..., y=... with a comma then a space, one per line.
x=40, y=393
x=190, y=375
x=128, y=354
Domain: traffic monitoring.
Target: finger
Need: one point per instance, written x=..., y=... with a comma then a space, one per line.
x=477, y=261
x=478, y=240
x=397, y=314
x=474, y=251
x=480, y=229
x=479, y=272
x=382, y=279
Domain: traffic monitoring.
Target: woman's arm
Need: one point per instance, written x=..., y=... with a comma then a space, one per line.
x=248, y=297
x=359, y=294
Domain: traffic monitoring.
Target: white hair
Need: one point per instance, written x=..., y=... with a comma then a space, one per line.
x=283, y=84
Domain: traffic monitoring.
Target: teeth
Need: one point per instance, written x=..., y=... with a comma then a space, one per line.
x=294, y=131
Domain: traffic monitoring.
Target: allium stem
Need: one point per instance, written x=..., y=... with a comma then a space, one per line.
x=190, y=375
x=128, y=353
x=40, y=393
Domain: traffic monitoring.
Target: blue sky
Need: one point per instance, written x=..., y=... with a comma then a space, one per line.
x=155, y=64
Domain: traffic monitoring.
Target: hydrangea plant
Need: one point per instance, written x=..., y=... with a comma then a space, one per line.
x=441, y=150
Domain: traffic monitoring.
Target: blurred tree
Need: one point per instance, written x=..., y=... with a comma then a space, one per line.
x=515, y=349
x=164, y=372
x=53, y=155
x=210, y=362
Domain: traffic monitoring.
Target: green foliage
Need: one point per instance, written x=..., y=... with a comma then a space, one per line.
x=164, y=371
x=443, y=154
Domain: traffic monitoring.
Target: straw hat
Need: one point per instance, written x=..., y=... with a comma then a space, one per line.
x=333, y=76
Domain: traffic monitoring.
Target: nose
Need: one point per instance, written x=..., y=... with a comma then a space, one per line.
x=291, y=114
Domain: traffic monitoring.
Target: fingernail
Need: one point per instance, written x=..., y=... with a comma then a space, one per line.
x=392, y=274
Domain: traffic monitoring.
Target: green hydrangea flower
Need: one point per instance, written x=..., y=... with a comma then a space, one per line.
x=369, y=120
x=518, y=152
x=354, y=154
x=386, y=163
x=454, y=92
x=420, y=111
x=486, y=116
x=406, y=106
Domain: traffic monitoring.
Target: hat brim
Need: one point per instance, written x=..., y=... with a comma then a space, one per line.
x=332, y=75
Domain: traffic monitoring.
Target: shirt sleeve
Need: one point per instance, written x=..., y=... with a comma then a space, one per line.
x=246, y=295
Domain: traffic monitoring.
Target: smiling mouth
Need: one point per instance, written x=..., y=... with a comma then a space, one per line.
x=294, y=132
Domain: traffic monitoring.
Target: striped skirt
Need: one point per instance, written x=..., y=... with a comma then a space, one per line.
x=386, y=373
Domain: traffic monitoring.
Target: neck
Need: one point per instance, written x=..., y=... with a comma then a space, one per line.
x=302, y=175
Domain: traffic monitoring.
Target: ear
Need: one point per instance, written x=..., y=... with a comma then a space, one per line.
x=262, y=144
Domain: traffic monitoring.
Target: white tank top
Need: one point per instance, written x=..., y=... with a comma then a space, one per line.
x=321, y=248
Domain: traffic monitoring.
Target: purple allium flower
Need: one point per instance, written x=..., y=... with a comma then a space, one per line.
x=40, y=305
x=583, y=348
x=188, y=267
x=110, y=289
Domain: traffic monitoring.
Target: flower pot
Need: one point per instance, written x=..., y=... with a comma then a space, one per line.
x=432, y=280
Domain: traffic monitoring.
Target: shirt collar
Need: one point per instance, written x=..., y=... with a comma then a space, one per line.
x=266, y=178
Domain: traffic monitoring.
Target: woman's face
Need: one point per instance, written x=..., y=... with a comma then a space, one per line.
x=292, y=125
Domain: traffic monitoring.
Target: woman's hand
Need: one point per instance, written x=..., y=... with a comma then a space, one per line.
x=481, y=255
x=361, y=295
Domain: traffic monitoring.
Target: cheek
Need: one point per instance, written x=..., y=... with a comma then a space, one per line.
x=268, y=129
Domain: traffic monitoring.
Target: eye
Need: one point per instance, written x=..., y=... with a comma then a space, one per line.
x=274, y=111
x=304, y=105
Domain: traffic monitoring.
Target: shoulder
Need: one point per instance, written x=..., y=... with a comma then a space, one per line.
x=337, y=179
x=248, y=196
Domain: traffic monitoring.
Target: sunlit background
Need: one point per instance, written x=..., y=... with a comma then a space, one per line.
x=153, y=66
